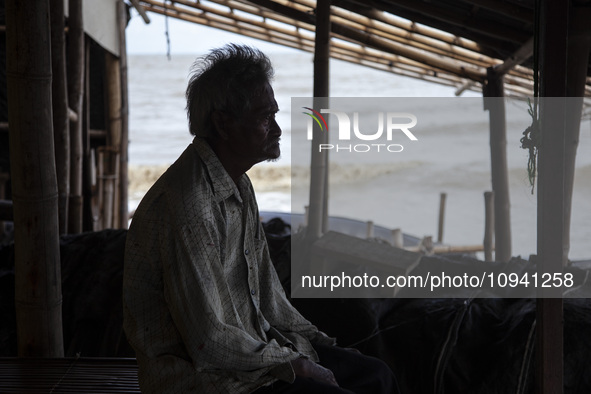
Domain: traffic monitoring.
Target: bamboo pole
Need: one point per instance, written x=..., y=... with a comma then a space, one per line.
x=6, y=211
x=551, y=158
x=579, y=48
x=113, y=88
x=317, y=221
x=495, y=104
x=38, y=298
x=489, y=225
x=140, y=10
x=442, y=198
x=369, y=229
x=123, y=151
x=87, y=162
x=435, y=12
x=108, y=170
x=100, y=194
x=75, y=97
x=61, y=123
x=397, y=238
x=427, y=247
x=374, y=15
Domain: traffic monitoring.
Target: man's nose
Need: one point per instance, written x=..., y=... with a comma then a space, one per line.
x=276, y=130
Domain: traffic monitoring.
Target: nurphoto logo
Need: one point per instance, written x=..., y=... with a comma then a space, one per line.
x=395, y=122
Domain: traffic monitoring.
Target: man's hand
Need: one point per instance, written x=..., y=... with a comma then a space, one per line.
x=309, y=369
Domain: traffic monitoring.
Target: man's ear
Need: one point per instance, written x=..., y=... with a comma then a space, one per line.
x=220, y=122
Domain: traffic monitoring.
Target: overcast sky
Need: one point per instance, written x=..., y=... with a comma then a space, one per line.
x=185, y=37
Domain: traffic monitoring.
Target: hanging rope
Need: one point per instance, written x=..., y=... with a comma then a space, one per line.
x=166, y=31
x=531, y=136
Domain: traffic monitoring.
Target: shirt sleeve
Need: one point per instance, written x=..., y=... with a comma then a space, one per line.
x=281, y=314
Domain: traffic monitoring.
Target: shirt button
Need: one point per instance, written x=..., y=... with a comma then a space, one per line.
x=246, y=252
x=252, y=292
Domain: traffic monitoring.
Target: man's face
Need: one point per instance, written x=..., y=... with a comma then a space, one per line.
x=255, y=136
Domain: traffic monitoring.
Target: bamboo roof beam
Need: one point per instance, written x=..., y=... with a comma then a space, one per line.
x=510, y=10
x=435, y=43
x=292, y=41
x=419, y=25
x=470, y=22
x=141, y=11
x=219, y=16
x=404, y=35
x=410, y=27
x=298, y=18
x=283, y=19
x=264, y=31
x=303, y=43
x=375, y=56
x=379, y=43
x=521, y=55
x=394, y=33
x=464, y=87
x=296, y=38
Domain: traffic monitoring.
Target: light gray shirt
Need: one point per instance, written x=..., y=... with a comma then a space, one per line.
x=203, y=307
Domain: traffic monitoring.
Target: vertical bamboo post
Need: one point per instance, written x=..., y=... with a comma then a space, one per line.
x=495, y=104
x=489, y=225
x=554, y=17
x=442, y=198
x=4, y=177
x=579, y=47
x=318, y=208
x=95, y=190
x=75, y=97
x=61, y=123
x=123, y=152
x=108, y=167
x=38, y=297
x=113, y=76
x=397, y=238
x=369, y=231
x=99, y=225
x=88, y=164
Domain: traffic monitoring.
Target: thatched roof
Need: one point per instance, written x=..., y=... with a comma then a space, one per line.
x=451, y=42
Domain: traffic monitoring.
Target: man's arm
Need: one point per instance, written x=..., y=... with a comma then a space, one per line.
x=303, y=367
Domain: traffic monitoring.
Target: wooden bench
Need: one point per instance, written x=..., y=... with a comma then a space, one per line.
x=68, y=375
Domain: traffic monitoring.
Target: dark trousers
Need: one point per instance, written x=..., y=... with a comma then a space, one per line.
x=354, y=372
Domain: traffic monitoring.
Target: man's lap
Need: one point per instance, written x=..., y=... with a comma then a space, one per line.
x=355, y=373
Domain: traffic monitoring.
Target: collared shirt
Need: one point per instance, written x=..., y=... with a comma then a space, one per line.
x=203, y=307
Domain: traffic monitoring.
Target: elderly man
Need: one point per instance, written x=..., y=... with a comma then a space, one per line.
x=203, y=307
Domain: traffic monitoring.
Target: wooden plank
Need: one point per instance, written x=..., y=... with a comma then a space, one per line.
x=68, y=375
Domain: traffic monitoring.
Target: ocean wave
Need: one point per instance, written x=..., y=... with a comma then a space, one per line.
x=267, y=178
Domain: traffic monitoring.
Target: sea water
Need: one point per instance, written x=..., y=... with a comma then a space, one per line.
x=451, y=157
